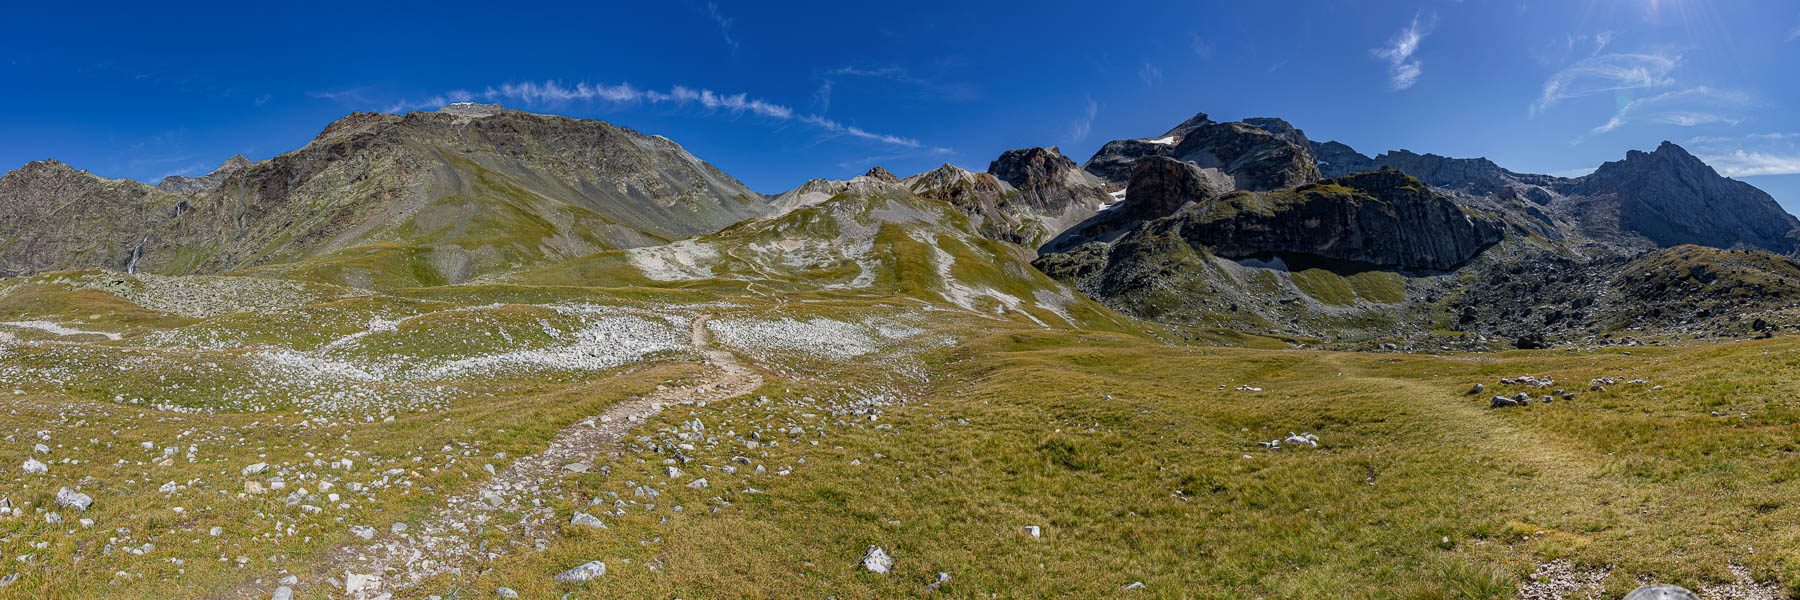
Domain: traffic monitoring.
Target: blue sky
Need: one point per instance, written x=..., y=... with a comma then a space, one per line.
x=777, y=93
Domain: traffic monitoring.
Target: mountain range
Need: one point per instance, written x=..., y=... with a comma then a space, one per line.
x=1247, y=226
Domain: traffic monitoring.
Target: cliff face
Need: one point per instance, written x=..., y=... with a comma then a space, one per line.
x=176, y=184
x=59, y=218
x=1381, y=218
x=1256, y=154
x=1672, y=198
x=1650, y=199
x=1026, y=196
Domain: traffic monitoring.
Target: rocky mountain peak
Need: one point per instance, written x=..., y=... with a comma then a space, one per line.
x=881, y=174
x=177, y=184
x=1281, y=129
x=1027, y=167
x=472, y=109
x=1671, y=197
x=1255, y=154
x=1191, y=124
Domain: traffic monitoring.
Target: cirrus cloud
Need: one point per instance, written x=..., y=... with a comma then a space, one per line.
x=553, y=93
x=1403, y=69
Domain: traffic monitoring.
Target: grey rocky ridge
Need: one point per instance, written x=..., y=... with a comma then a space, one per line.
x=446, y=195
x=1221, y=225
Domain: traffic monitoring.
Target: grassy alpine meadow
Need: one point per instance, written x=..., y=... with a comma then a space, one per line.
x=228, y=455
x=1139, y=463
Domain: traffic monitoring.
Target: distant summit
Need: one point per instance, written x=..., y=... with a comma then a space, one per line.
x=176, y=184
x=472, y=109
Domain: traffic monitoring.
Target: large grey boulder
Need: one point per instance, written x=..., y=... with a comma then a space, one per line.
x=1661, y=592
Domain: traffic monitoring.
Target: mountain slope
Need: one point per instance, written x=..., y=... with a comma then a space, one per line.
x=176, y=184
x=1672, y=198
x=1256, y=154
x=55, y=217
x=876, y=240
x=1649, y=199
x=430, y=197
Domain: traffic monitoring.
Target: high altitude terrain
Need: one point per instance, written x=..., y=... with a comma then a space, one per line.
x=479, y=352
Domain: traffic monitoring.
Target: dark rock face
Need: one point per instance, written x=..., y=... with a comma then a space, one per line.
x=1159, y=186
x=1192, y=123
x=1048, y=181
x=1660, y=198
x=1475, y=175
x=1382, y=218
x=1026, y=196
x=1257, y=154
x=1672, y=198
x=177, y=184
x=61, y=218
x=1255, y=159
x=1114, y=161
x=1337, y=160
x=1282, y=130
x=881, y=174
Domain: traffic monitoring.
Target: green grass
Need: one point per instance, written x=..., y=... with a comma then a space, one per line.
x=1418, y=491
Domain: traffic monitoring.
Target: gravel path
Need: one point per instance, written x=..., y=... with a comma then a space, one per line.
x=396, y=560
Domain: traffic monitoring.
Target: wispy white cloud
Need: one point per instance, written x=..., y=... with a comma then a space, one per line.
x=1771, y=153
x=1794, y=35
x=1403, y=69
x=1603, y=73
x=1740, y=163
x=1150, y=74
x=1684, y=107
x=724, y=23
x=901, y=78
x=552, y=93
x=1084, y=124
x=1202, y=48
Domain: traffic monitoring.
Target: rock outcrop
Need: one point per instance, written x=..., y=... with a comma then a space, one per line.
x=176, y=184
x=458, y=192
x=60, y=218
x=1672, y=198
x=1047, y=180
x=1382, y=218
x=1245, y=154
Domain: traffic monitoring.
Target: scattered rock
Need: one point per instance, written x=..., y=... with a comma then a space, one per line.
x=68, y=498
x=33, y=467
x=1304, y=439
x=1033, y=531
x=877, y=560
x=587, y=571
x=587, y=520
x=361, y=586
x=1661, y=592
x=505, y=592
